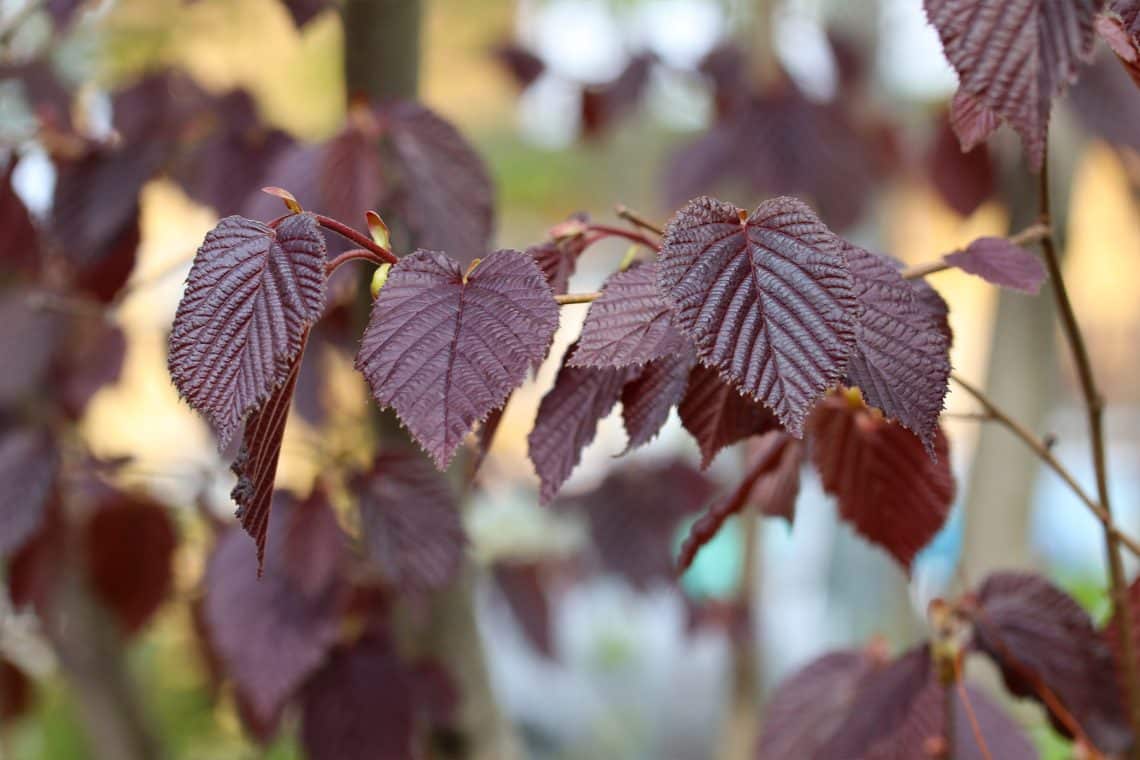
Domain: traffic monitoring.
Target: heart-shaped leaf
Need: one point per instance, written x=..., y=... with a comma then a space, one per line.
x=252, y=294
x=767, y=298
x=717, y=414
x=445, y=349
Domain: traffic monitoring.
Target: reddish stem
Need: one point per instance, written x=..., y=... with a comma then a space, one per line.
x=352, y=255
x=605, y=230
x=362, y=240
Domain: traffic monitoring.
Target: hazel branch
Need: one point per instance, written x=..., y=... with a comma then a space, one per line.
x=383, y=255
x=1027, y=236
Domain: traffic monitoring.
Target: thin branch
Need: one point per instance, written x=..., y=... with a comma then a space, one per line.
x=605, y=230
x=1030, y=234
x=355, y=254
x=362, y=240
x=1094, y=405
x=975, y=728
x=1038, y=447
x=637, y=220
x=573, y=298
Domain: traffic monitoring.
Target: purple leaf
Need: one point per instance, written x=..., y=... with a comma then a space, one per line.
x=717, y=414
x=647, y=398
x=901, y=360
x=304, y=10
x=445, y=349
x=91, y=360
x=767, y=298
x=522, y=589
x=775, y=492
x=446, y=196
x=634, y=514
x=29, y=466
x=1042, y=639
x=630, y=324
x=1120, y=28
x=30, y=337
x=21, y=252
x=271, y=634
x=365, y=704
x=558, y=257
x=409, y=518
x=256, y=462
x=129, y=545
x=999, y=261
x=350, y=179
x=603, y=105
x=568, y=418
x=1015, y=56
x=252, y=294
x=523, y=66
x=971, y=121
x=964, y=179
x=888, y=488
x=807, y=708
x=16, y=692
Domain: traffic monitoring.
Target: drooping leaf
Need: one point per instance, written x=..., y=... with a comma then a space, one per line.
x=767, y=298
x=999, y=261
x=365, y=704
x=971, y=121
x=521, y=586
x=445, y=349
x=1105, y=103
x=446, y=196
x=105, y=272
x=256, y=462
x=775, y=492
x=890, y=490
x=15, y=692
x=901, y=360
x=633, y=516
x=1015, y=56
x=34, y=571
x=568, y=418
x=270, y=634
x=658, y=387
x=304, y=10
x=1042, y=639
x=251, y=296
x=1119, y=26
x=30, y=337
x=964, y=179
x=807, y=708
x=91, y=359
x=129, y=545
x=630, y=324
x=29, y=466
x=709, y=524
x=351, y=175
x=409, y=518
x=717, y=414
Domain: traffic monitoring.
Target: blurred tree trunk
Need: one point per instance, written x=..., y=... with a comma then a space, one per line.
x=382, y=41
x=1022, y=378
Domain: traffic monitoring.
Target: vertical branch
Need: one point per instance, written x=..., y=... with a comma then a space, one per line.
x=740, y=726
x=1094, y=406
x=761, y=44
x=382, y=48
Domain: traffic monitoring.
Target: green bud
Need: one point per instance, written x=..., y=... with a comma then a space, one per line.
x=379, y=277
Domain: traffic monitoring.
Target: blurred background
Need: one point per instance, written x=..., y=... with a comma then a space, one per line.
x=575, y=106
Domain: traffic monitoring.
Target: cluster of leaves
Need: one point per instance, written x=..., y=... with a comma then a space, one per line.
x=862, y=704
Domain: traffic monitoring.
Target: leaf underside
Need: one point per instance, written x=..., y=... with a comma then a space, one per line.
x=717, y=415
x=767, y=299
x=251, y=296
x=1000, y=262
x=445, y=350
x=648, y=397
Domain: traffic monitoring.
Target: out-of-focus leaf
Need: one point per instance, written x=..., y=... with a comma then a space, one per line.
x=446, y=195
x=15, y=692
x=21, y=251
x=634, y=514
x=889, y=489
x=129, y=545
x=1120, y=28
x=445, y=349
x=252, y=294
x=522, y=588
x=775, y=492
x=30, y=336
x=1000, y=262
x=767, y=298
x=603, y=105
x=413, y=536
x=964, y=179
x=1042, y=639
x=523, y=65
x=1015, y=56
x=29, y=466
